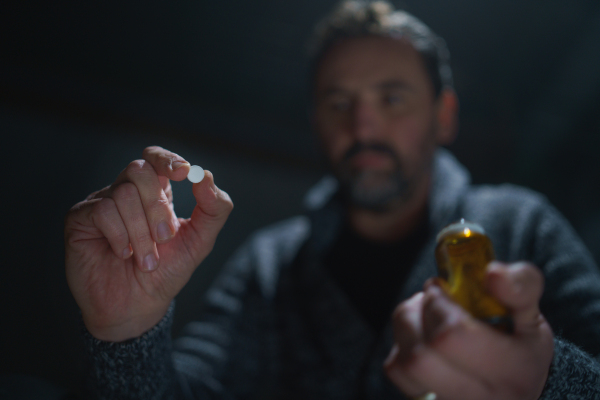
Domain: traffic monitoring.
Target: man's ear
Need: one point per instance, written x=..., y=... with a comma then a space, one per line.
x=447, y=116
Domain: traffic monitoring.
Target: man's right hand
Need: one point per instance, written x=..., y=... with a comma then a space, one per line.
x=128, y=255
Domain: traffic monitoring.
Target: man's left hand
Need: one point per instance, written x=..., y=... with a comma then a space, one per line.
x=440, y=348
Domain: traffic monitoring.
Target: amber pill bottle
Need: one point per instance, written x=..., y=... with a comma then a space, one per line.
x=463, y=252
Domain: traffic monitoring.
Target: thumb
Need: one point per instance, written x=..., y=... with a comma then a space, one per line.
x=212, y=210
x=519, y=287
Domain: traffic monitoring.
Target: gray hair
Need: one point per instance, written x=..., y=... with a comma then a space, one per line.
x=358, y=18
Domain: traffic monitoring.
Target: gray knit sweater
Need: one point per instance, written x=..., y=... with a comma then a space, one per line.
x=278, y=326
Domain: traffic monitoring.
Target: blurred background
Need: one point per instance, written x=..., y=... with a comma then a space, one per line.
x=85, y=86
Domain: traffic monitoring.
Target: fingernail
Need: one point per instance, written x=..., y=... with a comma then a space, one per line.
x=150, y=263
x=164, y=231
x=178, y=164
x=127, y=252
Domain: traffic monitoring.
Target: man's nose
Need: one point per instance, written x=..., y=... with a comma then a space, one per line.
x=366, y=121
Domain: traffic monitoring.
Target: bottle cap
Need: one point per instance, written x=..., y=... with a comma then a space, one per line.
x=459, y=226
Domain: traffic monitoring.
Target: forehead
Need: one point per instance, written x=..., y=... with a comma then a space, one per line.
x=367, y=61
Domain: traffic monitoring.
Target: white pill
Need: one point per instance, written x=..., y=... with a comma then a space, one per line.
x=196, y=174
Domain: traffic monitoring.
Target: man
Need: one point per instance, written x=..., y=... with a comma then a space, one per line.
x=305, y=309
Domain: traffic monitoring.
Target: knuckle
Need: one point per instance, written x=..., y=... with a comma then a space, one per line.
x=168, y=191
x=77, y=207
x=72, y=214
x=161, y=207
x=226, y=201
x=162, y=202
x=400, y=311
x=103, y=209
x=409, y=305
x=522, y=266
x=137, y=168
x=528, y=274
x=92, y=195
x=143, y=237
x=149, y=150
x=535, y=273
x=165, y=160
x=429, y=303
x=136, y=165
x=158, y=156
x=126, y=192
x=534, y=276
x=104, y=192
x=121, y=237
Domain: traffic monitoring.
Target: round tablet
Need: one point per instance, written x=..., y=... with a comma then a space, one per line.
x=196, y=174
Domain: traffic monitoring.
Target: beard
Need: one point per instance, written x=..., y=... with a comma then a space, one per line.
x=373, y=190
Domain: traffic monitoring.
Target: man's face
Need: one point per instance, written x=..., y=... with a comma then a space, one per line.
x=375, y=113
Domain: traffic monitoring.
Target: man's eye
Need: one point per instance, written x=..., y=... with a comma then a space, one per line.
x=393, y=99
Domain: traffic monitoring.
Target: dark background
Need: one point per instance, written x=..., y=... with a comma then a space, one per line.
x=85, y=86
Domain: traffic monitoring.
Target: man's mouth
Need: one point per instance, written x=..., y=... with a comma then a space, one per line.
x=370, y=159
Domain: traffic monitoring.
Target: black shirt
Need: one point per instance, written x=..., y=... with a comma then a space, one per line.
x=371, y=273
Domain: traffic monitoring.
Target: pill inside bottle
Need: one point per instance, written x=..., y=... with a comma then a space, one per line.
x=196, y=174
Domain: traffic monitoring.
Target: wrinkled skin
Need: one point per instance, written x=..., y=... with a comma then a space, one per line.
x=440, y=348
x=128, y=255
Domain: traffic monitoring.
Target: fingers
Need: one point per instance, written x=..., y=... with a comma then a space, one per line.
x=166, y=163
x=520, y=362
x=134, y=217
x=519, y=286
x=151, y=178
x=428, y=372
x=407, y=329
x=414, y=366
x=406, y=321
x=467, y=343
x=156, y=198
x=98, y=219
x=153, y=199
x=394, y=370
x=420, y=325
x=212, y=210
x=440, y=348
x=165, y=183
x=142, y=210
x=106, y=218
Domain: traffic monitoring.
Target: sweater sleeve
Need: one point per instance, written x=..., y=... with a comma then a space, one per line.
x=573, y=375
x=525, y=226
x=226, y=354
x=571, y=304
x=138, y=368
x=194, y=366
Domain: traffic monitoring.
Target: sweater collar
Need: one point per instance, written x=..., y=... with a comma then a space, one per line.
x=450, y=179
